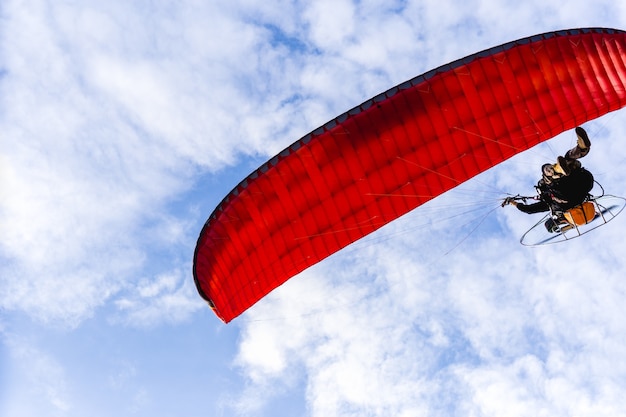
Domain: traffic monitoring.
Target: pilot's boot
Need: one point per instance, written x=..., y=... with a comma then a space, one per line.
x=562, y=167
x=583, y=139
x=583, y=145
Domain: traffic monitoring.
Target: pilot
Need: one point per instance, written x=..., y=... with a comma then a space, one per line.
x=563, y=185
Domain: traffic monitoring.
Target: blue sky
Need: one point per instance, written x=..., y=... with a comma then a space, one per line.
x=123, y=124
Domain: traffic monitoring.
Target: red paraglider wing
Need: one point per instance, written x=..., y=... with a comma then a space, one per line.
x=398, y=150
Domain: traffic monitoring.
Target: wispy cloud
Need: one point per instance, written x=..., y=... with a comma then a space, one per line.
x=168, y=298
x=42, y=387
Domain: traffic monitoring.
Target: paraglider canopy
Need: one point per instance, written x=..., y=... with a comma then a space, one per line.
x=398, y=150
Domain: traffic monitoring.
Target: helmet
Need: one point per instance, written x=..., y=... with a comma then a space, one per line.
x=548, y=173
x=547, y=170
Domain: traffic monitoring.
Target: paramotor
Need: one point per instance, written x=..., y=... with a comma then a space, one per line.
x=419, y=139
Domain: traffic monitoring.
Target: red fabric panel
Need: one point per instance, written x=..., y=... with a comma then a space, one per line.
x=419, y=139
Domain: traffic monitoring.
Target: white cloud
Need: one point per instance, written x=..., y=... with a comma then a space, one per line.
x=108, y=114
x=331, y=23
x=516, y=338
